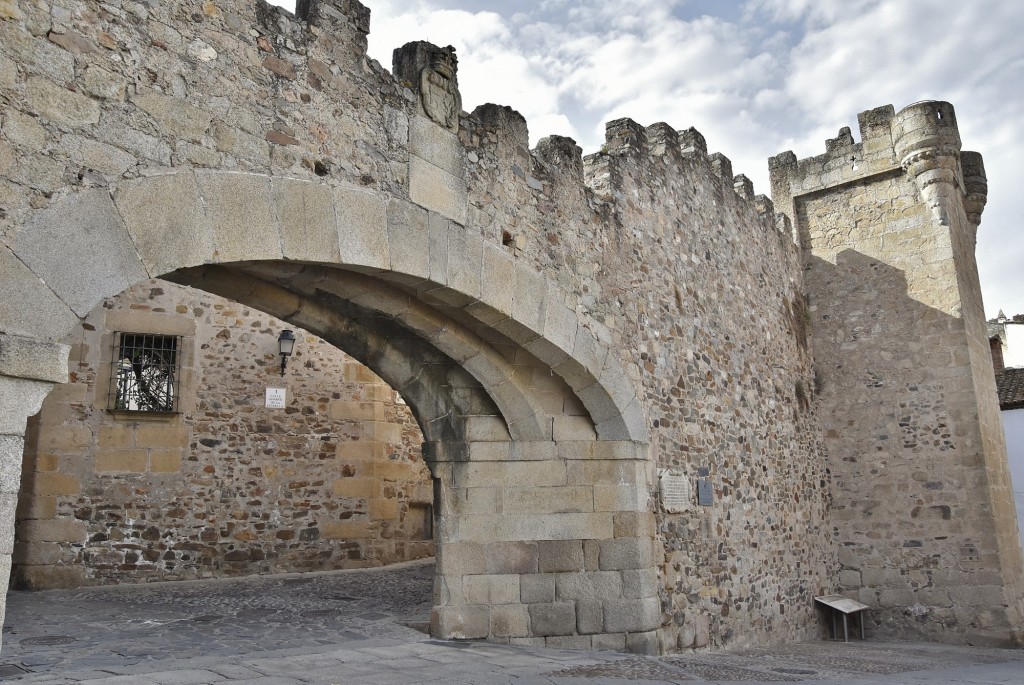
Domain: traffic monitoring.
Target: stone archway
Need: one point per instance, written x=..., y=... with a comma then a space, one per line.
x=535, y=434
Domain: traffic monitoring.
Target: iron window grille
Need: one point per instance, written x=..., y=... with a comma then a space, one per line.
x=144, y=373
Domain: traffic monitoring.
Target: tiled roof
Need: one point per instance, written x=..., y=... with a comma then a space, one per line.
x=1010, y=384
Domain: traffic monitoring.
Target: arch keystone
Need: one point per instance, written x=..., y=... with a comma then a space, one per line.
x=238, y=211
x=306, y=219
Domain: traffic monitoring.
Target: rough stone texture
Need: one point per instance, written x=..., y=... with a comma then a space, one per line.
x=655, y=305
x=227, y=488
x=923, y=509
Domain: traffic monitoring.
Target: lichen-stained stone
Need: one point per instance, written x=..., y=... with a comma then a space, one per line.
x=517, y=527
x=107, y=159
x=510, y=620
x=438, y=231
x=437, y=146
x=529, y=297
x=166, y=220
x=495, y=279
x=9, y=10
x=239, y=212
x=305, y=213
x=591, y=585
x=89, y=227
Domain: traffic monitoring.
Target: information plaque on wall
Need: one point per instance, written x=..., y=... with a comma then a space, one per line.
x=705, y=493
x=674, y=488
x=275, y=398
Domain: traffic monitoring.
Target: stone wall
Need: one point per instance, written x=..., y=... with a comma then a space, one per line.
x=227, y=487
x=923, y=508
x=648, y=265
x=566, y=328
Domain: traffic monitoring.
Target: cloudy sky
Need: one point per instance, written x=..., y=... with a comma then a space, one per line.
x=756, y=77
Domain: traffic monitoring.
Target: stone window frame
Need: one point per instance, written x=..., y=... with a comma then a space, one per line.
x=170, y=386
x=147, y=323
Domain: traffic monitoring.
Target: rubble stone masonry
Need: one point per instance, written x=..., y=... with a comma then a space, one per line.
x=576, y=335
x=227, y=487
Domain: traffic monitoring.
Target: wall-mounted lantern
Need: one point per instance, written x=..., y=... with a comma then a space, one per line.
x=285, y=343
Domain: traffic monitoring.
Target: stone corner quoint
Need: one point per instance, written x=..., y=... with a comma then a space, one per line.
x=659, y=411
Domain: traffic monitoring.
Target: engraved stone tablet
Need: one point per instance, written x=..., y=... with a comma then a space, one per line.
x=675, y=491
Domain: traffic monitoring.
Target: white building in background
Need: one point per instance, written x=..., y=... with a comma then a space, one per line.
x=1010, y=383
x=1006, y=338
x=1006, y=335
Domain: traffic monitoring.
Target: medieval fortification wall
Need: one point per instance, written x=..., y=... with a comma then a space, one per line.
x=648, y=265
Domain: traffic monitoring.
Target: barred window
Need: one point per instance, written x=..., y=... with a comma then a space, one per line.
x=144, y=373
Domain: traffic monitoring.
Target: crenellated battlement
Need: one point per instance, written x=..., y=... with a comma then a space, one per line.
x=643, y=293
x=921, y=140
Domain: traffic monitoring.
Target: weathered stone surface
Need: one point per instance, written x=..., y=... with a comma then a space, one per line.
x=434, y=188
x=560, y=555
x=305, y=211
x=408, y=239
x=61, y=105
x=104, y=158
x=166, y=220
x=466, y=622
x=19, y=399
x=557, y=618
x=174, y=117
x=362, y=228
x=510, y=621
x=598, y=586
x=631, y=616
x=437, y=146
x=537, y=588
x=33, y=359
x=640, y=293
x=238, y=210
x=105, y=259
x=11, y=448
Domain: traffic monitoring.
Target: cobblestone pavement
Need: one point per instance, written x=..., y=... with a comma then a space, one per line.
x=365, y=627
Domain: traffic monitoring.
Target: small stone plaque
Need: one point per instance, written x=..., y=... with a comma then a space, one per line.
x=705, y=493
x=674, y=488
x=275, y=398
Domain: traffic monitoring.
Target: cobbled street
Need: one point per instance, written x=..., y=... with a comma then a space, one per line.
x=355, y=627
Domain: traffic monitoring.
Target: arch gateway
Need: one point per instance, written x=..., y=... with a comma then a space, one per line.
x=586, y=342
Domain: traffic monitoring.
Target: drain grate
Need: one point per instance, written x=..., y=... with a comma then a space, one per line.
x=48, y=640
